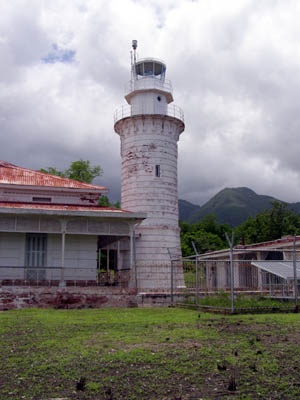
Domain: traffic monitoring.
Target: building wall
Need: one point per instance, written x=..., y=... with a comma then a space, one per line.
x=80, y=256
x=12, y=254
x=149, y=103
x=147, y=142
x=43, y=196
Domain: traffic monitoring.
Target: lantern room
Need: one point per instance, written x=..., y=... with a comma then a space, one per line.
x=150, y=67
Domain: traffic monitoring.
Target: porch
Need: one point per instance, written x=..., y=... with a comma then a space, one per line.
x=67, y=248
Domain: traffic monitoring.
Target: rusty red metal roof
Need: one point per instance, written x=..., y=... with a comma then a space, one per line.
x=59, y=207
x=13, y=175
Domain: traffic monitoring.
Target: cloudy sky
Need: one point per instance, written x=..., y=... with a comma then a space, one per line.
x=234, y=65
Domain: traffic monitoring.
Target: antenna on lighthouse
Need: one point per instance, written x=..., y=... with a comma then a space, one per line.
x=134, y=46
x=133, y=61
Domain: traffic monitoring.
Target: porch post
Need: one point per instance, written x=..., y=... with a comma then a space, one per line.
x=107, y=259
x=132, y=257
x=62, y=282
x=118, y=256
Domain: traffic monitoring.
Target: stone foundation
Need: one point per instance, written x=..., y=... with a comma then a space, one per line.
x=12, y=298
x=66, y=298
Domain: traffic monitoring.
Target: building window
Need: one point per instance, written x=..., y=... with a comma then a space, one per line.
x=35, y=256
x=157, y=171
x=42, y=199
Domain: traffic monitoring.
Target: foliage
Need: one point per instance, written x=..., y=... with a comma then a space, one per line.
x=269, y=225
x=80, y=171
x=206, y=234
x=105, y=202
x=117, y=204
x=53, y=171
x=231, y=205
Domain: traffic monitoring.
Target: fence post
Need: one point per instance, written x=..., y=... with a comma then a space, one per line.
x=231, y=269
x=172, y=259
x=295, y=275
x=197, y=284
x=172, y=283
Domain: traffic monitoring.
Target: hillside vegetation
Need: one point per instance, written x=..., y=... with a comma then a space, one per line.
x=230, y=206
x=209, y=235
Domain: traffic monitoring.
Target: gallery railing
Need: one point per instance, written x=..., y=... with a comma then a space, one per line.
x=170, y=110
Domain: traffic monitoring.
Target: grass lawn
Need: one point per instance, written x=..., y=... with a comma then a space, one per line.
x=148, y=354
x=241, y=301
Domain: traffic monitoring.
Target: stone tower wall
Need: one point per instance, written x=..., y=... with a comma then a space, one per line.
x=148, y=141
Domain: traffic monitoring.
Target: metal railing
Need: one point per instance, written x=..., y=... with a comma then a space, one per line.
x=166, y=110
x=51, y=276
x=145, y=83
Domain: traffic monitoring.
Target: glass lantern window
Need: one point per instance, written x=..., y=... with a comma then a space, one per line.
x=157, y=69
x=148, y=68
x=139, y=69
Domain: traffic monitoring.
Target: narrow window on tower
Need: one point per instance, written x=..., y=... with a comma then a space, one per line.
x=157, y=171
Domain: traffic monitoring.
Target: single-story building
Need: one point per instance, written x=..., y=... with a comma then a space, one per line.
x=256, y=266
x=52, y=231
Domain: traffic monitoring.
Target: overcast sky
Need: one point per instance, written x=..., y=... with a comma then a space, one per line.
x=234, y=65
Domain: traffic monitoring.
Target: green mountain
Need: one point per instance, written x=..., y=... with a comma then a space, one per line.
x=231, y=206
x=186, y=209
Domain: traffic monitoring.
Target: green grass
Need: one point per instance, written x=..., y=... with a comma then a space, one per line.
x=240, y=301
x=147, y=354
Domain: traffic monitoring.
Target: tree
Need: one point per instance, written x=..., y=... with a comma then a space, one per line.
x=269, y=225
x=206, y=234
x=52, y=171
x=117, y=204
x=105, y=202
x=80, y=171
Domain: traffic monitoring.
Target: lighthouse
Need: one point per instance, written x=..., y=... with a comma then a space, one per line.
x=149, y=127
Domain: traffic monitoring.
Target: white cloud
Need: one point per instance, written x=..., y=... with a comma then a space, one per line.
x=234, y=66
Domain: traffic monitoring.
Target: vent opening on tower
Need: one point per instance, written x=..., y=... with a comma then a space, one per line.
x=157, y=171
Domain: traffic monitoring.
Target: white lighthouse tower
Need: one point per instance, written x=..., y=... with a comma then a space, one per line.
x=149, y=129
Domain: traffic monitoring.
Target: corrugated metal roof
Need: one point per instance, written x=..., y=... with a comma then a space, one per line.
x=283, y=269
x=34, y=206
x=14, y=175
x=272, y=245
x=284, y=240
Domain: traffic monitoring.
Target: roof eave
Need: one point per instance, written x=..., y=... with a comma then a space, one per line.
x=73, y=213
